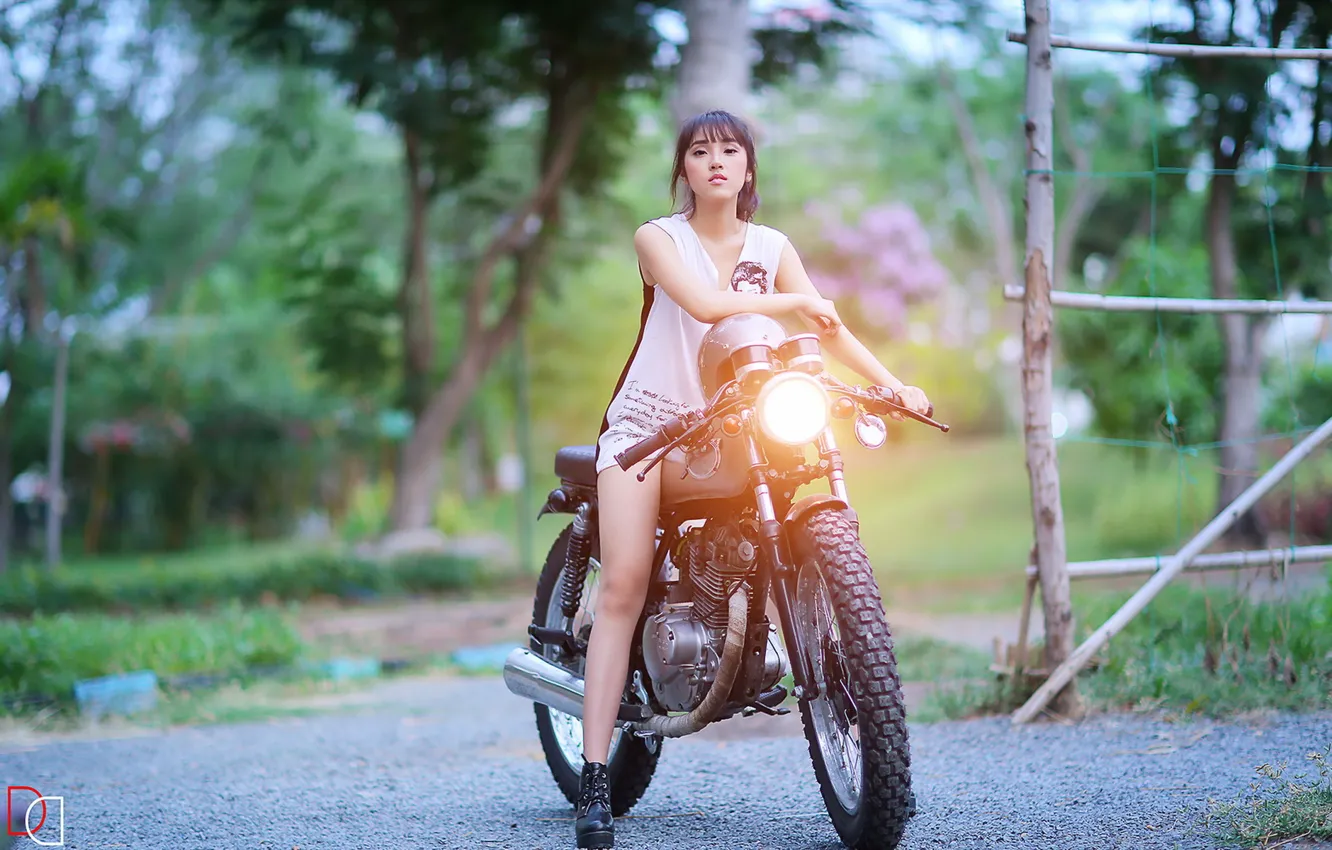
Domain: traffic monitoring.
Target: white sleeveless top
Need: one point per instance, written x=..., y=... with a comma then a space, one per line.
x=661, y=381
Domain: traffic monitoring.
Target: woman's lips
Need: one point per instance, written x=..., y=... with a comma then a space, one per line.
x=717, y=178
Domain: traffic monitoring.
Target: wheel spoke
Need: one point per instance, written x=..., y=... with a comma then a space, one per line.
x=832, y=711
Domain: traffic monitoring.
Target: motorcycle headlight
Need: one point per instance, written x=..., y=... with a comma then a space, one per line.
x=793, y=408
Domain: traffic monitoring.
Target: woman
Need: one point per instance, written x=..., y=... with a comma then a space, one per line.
x=705, y=263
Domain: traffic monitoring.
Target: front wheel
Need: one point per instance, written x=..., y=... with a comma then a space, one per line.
x=631, y=760
x=854, y=718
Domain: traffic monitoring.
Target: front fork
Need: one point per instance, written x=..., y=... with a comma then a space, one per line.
x=778, y=572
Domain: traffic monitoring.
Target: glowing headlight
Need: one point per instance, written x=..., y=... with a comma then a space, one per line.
x=793, y=408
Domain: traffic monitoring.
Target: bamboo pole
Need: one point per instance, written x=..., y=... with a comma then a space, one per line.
x=1185, y=51
x=1037, y=374
x=1217, y=561
x=1066, y=671
x=1143, y=303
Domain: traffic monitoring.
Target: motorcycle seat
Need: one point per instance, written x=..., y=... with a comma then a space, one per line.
x=577, y=464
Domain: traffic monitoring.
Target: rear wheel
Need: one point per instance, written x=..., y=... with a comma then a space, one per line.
x=856, y=721
x=631, y=760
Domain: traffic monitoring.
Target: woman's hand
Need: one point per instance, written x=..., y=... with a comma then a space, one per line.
x=820, y=314
x=913, y=398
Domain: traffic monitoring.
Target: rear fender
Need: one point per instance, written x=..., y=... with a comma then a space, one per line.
x=565, y=499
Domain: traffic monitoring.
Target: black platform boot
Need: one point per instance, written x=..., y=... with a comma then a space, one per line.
x=595, y=826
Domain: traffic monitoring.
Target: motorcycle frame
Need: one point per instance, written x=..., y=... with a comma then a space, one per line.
x=776, y=569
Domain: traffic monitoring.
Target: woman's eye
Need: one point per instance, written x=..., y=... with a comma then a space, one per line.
x=733, y=150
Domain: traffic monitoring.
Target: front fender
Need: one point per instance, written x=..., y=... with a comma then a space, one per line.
x=810, y=505
x=818, y=502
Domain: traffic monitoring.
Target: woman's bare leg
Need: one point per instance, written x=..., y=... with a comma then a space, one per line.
x=627, y=516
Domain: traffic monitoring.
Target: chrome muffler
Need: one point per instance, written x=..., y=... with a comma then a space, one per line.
x=530, y=676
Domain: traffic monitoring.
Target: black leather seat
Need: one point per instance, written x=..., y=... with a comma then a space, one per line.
x=577, y=464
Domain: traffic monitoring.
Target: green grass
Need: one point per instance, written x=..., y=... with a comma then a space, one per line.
x=926, y=659
x=947, y=521
x=1212, y=652
x=45, y=655
x=1216, y=652
x=1281, y=806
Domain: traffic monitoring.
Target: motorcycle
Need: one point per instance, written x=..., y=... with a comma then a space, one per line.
x=732, y=535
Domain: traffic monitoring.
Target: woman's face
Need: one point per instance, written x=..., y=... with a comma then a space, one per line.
x=716, y=171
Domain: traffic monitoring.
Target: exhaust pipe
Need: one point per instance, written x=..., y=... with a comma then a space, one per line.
x=530, y=676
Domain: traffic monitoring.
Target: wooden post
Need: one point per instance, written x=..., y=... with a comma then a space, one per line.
x=1024, y=629
x=1066, y=671
x=1037, y=381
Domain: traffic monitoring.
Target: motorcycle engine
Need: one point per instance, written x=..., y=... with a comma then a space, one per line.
x=682, y=641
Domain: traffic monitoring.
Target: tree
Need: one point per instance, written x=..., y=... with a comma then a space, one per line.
x=882, y=264
x=714, y=68
x=442, y=76
x=732, y=46
x=1236, y=109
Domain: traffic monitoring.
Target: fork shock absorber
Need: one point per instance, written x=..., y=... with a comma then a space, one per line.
x=575, y=561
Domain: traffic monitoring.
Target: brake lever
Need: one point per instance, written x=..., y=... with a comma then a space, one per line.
x=904, y=410
x=919, y=417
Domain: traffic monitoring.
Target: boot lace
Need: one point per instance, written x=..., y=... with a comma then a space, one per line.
x=597, y=788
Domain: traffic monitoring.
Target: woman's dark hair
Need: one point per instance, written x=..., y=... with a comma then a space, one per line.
x=716, y=126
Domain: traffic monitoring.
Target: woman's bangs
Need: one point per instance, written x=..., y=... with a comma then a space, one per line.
x=717, y=127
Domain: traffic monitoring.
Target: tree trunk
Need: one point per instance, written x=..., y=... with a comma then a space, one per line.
x=420, y=464
x=1037, y=380
x=414, y=298
x=92, y=526
x=6, y=476
x=34, y=289
x=55, y=463
x=998, y=213
x=1241, y=410
x=421, y=460
x=714, y=63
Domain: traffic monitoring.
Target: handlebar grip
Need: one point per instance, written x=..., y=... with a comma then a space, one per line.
x=639, y=451
x=896, y=399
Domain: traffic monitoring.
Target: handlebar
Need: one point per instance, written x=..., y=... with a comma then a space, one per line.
x=892, y=404
x=638, y=452
x=878, y=400
x=668, y=433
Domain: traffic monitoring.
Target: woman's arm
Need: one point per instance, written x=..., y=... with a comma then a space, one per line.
x=792, y=278
x=661, y=264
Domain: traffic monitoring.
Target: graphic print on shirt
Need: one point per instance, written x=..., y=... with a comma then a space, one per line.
x=750, y=277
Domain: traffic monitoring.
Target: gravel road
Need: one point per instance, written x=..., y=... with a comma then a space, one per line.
x=453, y=762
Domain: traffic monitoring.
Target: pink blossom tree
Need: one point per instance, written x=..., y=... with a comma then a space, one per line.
x=877, y=267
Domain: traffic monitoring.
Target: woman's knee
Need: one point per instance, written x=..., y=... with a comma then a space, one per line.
x=622, y=590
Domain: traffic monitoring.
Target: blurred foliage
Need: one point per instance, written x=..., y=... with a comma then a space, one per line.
x=1304, y=394
x=199, y=583
x=1149, y=376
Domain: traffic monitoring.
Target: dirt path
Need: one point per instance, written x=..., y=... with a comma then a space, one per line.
x=439, y=627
